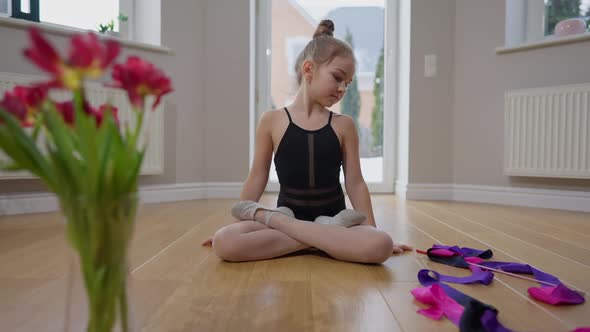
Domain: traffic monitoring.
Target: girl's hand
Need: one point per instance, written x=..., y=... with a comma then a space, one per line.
x=208, y=242
x=399, y=248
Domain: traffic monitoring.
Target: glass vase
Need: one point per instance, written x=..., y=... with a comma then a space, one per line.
x=99, y=231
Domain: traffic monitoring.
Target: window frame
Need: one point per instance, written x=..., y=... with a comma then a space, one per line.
x=33, y=15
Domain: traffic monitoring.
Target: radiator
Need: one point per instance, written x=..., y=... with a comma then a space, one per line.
x=97, y=94
x=547, y=132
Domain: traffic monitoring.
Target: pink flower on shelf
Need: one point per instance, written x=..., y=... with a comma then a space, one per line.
x=88, y=57
x=24, y=102
x=141, y=78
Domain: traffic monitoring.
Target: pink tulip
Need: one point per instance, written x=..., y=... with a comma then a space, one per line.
x=141, y=78
x=24, y=102
x=99, y=114
x=88, y=57
x=43, y=54
x=66, y=110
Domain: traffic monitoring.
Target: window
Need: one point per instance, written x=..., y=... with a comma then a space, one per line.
x=4, y=7
x=530, y=21
x=294, y=46
x=557, y=10
x=89, y=13
x=137, y=20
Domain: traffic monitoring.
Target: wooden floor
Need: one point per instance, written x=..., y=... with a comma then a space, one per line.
x=180, y=286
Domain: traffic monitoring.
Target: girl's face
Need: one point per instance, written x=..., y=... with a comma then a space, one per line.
x=328, y=82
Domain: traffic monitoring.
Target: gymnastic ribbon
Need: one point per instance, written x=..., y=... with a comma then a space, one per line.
x=464, y=311
x=461, y=257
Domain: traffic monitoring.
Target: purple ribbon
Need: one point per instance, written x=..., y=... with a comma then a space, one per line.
x=522, y=269
x=477, y=275
x=460, y=257
x=466, y=252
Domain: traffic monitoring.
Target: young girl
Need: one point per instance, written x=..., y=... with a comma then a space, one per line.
x=310, y=143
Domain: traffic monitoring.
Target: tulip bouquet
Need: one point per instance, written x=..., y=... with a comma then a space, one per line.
x=86, y=157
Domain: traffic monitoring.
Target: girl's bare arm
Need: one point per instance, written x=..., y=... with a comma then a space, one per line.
x=356, y=188
x=257, y=178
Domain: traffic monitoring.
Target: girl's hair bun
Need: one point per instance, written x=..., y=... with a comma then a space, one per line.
x=325, y=28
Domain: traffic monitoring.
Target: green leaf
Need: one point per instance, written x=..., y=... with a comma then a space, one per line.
x=23, y=150
x=63, y=138
x=102, y=180
x=133, y=175
x=85, y=127
x=10, y=166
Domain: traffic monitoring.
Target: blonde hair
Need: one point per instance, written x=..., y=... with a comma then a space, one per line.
x=323, y=48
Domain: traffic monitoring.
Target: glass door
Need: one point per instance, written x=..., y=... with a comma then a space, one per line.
x=284, y=27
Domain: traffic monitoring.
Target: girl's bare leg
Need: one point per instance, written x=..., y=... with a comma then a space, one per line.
x=250, y=241
x=361, y=244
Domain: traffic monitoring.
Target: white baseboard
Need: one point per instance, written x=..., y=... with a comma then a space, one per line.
x=429, y=191
x=173, y=192
x=545, y=198
x=554, y=199
x=227, y=190
x=27, y=203
x=46, y=202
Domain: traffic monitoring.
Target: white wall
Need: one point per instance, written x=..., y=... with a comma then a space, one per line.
x=431, y=98
x=226, y=90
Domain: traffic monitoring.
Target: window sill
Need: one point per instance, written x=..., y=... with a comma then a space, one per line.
x=69, y=31
x=549, y=42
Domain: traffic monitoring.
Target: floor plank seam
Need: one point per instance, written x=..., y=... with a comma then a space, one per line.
x=390, y=310
x=529, y=229
x=166, y=248
x=380, y=290
x=543, y=222
x=565, y=241
x=514, y=237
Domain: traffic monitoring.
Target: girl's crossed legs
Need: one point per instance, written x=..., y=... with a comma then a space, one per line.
x=250, y=240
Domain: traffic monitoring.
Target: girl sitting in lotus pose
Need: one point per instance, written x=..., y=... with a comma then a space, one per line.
x=310, y=144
